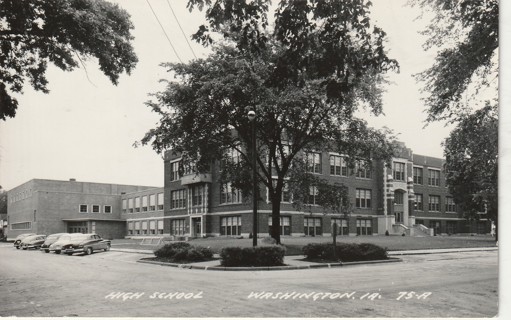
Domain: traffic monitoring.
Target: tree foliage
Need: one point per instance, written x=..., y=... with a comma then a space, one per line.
x=466, y=34
x=304, y=78
x=34, y=33
x=472, y=163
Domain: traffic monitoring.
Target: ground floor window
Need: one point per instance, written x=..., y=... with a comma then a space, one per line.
x=364, y=227
x=160, y=226
x=152, y=227
x=21, y=226
x=312, y=226
x=230, y=226
x=435, y=225
x=178, y=227
x=342, y=226
x=451, y=227
x=130, y=227
x=285, y=225
x=419, y=221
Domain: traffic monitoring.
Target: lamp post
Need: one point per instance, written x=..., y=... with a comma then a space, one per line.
x=251, y=116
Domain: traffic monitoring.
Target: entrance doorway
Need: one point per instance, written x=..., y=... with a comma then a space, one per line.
x=196, y=227
x=77, y=227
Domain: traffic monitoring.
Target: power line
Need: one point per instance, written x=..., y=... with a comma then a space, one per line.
x=174, y=49
x=179, y=24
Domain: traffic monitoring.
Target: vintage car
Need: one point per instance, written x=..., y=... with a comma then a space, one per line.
x=64, y=239
x=33, y=242
x=17, y=241
x=87, y=243
x=50, y=240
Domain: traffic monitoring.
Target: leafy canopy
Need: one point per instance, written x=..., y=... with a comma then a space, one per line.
x=63, y=32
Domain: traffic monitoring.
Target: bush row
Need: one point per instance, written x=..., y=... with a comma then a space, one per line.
x=183, y=252
x=263, y=256
x=346, y=252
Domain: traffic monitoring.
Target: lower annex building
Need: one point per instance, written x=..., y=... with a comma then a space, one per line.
x=410, y=197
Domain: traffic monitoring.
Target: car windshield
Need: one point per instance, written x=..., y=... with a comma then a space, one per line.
x=30, y=238
x=80, y=237
x=65, y=238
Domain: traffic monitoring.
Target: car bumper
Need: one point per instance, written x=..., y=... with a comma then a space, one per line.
x=73, y=250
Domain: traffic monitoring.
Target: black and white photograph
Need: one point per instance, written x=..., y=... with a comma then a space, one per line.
x=253, y=158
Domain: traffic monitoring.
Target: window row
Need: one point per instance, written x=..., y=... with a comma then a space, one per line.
x=94, y=208
x=21, y=226
x=433, y=176
x=145, y=227
x=434, y=203
x=145, y=203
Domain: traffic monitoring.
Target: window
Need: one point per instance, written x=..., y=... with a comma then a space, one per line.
x=84, y=208
x=137, y=227
x=419, y=202
x=338, y=166
x=398, y=197
x=137, y=204
x=144, y=227
x=21, y=226
x=399, y=171
x=364, y=227
x=152, y=227
x=197, y=195
x=451, y=227
x=107, y=209
x=124, y=205
x=228, y=194
x=231, y=156
x=312, y=226
x=152, y=202
x=144, y=203
x=286, y=194
x=230, y=226
x=160, y=226
x=285, y=225
x=312, y=197
x=342, y=226
x=363, y=169
x=450, y=206
x=95, y=208
x=434, y=178
x=363, y=198
x=434, y=203
x=174, y=171
x=130, y=227
x=130, y=205
x=160, y=201
x=313, y=162
x=417, y=175
x=177, y=227
x=178, y=199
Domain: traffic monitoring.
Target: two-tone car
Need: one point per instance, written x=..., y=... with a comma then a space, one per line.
x=56, y=247
x=17, y=241
x=86, y=243
x=52, y=238
x=33, y=242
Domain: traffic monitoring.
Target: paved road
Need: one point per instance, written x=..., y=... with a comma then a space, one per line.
x=113, y=284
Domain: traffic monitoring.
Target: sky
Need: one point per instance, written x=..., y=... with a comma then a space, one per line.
x=85, y=127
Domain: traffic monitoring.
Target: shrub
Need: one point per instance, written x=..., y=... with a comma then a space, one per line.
x=263, y=256
x=183, y=252
x=345, y=252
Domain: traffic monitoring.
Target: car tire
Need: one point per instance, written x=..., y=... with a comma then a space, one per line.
x=17, y=248
x=88, y=251
x=47, y=251
x=24, y=248
x=107, y=247
x=57, y=251
x=69, y=253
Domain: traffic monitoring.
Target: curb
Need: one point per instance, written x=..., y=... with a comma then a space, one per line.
x=429, y=251
x=312, y=266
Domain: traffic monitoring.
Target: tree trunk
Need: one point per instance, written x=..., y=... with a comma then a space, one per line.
x=275, y=218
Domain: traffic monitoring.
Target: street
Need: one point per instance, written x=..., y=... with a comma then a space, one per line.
x=113, y=284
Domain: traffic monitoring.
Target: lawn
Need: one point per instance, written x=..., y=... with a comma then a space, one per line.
x=294, y=244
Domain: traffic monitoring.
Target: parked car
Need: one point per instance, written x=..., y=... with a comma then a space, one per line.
x=87, y=243
x=17, y=241
x=50, y=240
x=33, y=242
x=64, y=239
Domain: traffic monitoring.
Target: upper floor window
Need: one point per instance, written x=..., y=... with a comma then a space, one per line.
x=434, y=203
x=434, y=177
x=174, y=171
x=363, y=198
x=228, y=194
x=144, y=203
x=398, y=197
x=152, y=202
x=84, y=208
x=450, y=206
x=231, y=155
x=197, y=195
x=107, y=209
x=313, y=162
x=137, y=204
x=363, y=169
x=399, y=171
x=130, y=205
x=338, y=166
x=95, y=208
x=417, y=175
x=124, y=205
x=419, y=202
x=160, y=201
x=312, y=197
x=178, y=199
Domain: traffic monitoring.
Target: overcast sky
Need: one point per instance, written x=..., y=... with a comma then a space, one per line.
x=85, y=128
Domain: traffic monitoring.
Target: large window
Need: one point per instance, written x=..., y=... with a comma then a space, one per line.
x=434, y=203
x=177, y=227
x=178, y=199
x=419, y=202
x=197, y=195
x=363, y=198
x=21, y=226
x=160, y=201
x=434, y=177
x=398, y=197
x=152, y=202
x=137, y=204
x=363, y=169
x=124, y=205
x=312, y=226
x=230, y=156
x=342, y=226
x=338, y=166
x=160, y=226
x=228, y=194
x=450, y=227
x=399, y=171
x=417, y=175
x=285, y=225
x=131, y=227
x=311, y=199
x=286, y=194
x=450, y=206
x=230, y=226
x=130, y=205
x=364, y=227
x=144, y=203
x=174, y=171
x=313, y=162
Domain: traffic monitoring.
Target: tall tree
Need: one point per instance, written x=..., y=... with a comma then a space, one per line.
x=465, y=33
x=63, y=32
x=472, y=163
x=304, y=78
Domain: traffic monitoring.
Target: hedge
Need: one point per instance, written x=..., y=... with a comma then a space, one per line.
x=346, y=252
x=183, y=252
x=264, y=256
